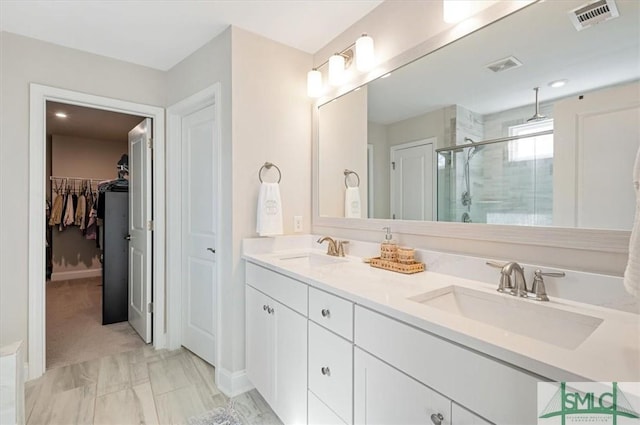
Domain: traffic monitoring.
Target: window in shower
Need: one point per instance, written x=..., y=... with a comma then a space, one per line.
x=531, y=148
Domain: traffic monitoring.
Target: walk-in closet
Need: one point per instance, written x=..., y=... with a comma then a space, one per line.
x=87, y=189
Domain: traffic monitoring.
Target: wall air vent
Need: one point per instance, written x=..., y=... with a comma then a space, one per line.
x=504, y=64
x=593, y=13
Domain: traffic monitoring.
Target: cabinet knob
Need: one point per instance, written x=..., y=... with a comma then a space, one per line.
x=325, y=312
x=437, y=418
x=270, y=310
x=325, y=371
x=264, y=307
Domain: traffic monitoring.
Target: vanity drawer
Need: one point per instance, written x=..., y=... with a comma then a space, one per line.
x=495, y=390
x=320, y=414
x=334, y=313
x=331, y=370
x=289, y=292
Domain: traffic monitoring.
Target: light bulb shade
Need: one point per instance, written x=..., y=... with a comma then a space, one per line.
x=314, y=83
x=336, y=69
x=364, y=53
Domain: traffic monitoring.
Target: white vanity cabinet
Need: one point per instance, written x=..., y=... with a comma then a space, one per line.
x=384, y=395
x=495, y=390
x=330, y=356
x=276, y=346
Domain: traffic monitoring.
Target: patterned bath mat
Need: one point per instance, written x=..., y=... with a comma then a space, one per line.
x=226, y=415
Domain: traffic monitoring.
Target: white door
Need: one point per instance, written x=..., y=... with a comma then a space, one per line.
x=140, y=229
x=412, y=181
x=199, y=228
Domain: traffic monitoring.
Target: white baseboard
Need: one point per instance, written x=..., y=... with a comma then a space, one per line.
x=76, y=274
x=232, y=383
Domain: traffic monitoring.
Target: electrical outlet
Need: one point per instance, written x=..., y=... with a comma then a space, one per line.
x=297, y=223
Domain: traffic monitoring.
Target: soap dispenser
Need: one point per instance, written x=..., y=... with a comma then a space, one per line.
x=388, y=247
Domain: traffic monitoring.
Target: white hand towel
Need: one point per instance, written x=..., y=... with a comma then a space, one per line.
x=352, y=206
x=632, y=272
x=269, y=218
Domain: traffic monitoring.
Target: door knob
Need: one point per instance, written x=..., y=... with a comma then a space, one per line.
x=127, y=238
x=212, y=250
x=437, y=418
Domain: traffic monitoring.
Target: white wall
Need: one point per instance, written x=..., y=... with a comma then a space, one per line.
x=343, y=131
x=23, y=61
x=377, y=136
x=271, y=122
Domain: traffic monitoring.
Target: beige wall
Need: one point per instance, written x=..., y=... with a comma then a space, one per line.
x=23, y=61
x=343, y=131
x=81, y=157
x=271, y=122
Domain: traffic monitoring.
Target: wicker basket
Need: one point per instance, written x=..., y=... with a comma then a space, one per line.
x=415, y=267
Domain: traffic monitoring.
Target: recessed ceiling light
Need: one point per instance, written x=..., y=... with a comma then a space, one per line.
x=61, y=115
x=558, y=83
x=386, y=75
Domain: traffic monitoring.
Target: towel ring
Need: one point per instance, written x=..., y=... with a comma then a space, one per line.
x=268, y=166
x=346, y=176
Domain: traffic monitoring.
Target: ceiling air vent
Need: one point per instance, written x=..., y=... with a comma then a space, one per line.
x=504, y=64
x=593, y=13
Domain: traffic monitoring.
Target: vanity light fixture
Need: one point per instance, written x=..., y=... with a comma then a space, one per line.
x=61, y=115
x=558, y=83
x=363, y=53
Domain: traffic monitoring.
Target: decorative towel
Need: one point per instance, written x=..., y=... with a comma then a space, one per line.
x=269, y=220
x=352, y=207
x=632, y=272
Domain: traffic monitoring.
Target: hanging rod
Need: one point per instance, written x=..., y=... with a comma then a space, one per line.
x=75, y=178
x=492, y=141
x=268, y=166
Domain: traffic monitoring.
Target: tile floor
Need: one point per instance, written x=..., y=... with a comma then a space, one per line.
x=142, y=386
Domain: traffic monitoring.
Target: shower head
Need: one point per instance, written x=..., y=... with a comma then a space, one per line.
x=537, y=116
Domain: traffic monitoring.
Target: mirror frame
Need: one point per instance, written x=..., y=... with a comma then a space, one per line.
x=610, y=241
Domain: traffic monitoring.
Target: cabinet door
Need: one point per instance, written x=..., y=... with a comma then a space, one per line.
x=331, y=370
x=259, y=343
x=384, y=395
x=461, y=416
x=290, y=364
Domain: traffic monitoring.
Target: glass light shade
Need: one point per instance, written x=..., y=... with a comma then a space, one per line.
x=364, y=53
x=314, y=83
x=336, y=69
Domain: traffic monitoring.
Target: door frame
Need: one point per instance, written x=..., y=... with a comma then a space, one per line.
x=38, y=96
x=204, y=98
x=434, y=192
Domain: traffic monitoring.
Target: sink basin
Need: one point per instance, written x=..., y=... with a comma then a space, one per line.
x=524, y=317
x=311, y=259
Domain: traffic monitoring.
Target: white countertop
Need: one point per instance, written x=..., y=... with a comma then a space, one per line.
x=610, y=353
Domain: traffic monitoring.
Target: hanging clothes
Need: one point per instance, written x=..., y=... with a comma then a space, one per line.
x=57, y=205
x=69, y=210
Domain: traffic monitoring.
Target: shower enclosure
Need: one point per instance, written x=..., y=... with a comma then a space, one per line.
x=500, y=181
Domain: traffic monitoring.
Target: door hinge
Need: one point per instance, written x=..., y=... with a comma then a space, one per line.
x=393, y=165
x=150, y=144
x=150, y=225
x=150, y=307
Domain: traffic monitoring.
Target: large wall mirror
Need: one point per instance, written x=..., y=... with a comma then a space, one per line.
x=458, y=135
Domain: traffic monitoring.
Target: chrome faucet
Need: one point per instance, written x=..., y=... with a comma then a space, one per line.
x=332, y=248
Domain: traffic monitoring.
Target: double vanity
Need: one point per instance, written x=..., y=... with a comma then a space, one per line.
x=331, y=340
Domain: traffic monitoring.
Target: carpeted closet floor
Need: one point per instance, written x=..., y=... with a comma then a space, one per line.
x=74, y=324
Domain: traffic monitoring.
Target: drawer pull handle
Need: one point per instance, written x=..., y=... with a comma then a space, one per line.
x=325, y=371
x=437, y=418
x=325, y=312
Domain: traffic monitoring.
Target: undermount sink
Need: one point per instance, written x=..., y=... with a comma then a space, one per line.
x=311, y=259
x=524, y=317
